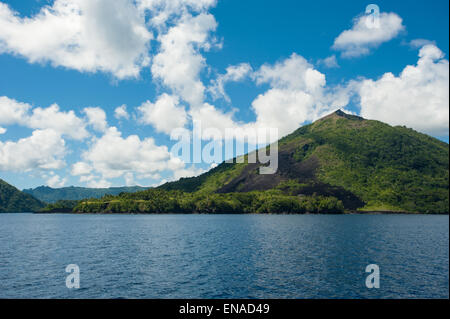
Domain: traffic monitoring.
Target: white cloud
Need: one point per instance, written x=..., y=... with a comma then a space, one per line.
x=165, y=114
x=417, y=98
x=129, y=179
x=329, y=62
x=85, y=35
x=11, y=111
x=43, y=150
x=161, y=182
x=99, y=184
x=283, y=109
x=113, y=156
x=364, y=35
x=2, y=130
x=191, y=171
x=418, y=43
x=80, y=169
x=154, y=176
x=233, y=73
x=65, y=123
x=292, y=73
x=95, y=182
x=297, y=95
x=162, y=11
x=210, y=117
x=121, y=112
x=56, y=181
x=96, y=117
x=213, y=165
x=179, y=62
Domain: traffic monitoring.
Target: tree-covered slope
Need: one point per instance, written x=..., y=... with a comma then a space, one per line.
x=52, y=195
x=14, y=201
x=368, y=165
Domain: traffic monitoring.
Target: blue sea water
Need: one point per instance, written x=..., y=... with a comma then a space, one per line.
x=224, y=256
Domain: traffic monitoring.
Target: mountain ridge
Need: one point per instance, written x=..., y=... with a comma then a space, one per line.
x=52, y=195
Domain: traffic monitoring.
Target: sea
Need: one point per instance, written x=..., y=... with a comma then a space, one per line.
x=224, y=256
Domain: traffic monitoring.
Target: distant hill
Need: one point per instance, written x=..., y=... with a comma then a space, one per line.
x=338, y=163
x=52, y=195
x=13, y=200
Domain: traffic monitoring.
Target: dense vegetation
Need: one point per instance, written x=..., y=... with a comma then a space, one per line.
x=389, y=168
x=14, y=201
x=338, y=163
x=159, y=201
x=52, y=195
x=61, y=206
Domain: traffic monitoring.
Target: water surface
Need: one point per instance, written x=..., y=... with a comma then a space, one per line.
x=224, y=256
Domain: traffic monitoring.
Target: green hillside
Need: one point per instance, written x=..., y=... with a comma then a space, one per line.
x=338, y=163
x=367, y=164
x=14, y=201
x=52, y=195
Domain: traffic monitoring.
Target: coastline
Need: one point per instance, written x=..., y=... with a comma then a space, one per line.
x=174, y=213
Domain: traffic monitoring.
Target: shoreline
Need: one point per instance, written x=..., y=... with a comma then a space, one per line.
x=344, y=213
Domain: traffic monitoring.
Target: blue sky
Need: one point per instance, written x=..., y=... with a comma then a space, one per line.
x=288, y=62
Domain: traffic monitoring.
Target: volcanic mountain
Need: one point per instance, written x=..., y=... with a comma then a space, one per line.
x=367, y=164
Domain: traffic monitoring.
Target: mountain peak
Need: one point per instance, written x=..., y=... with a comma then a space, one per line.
x=341, y=114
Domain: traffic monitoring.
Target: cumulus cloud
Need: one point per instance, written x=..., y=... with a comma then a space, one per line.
x=96, y=117
x=113, y=156
x=2, y=130
x=95, y=181
x=43, y=150
x=165, y=114
x=80, y=169
x=12, y=111
x=209, y=116
x=417, y=98
x=233, y=73
x=297, y=94
x=188, y=172
x=163, y=11
x=121, y=112
x=283, y=109
x=179, y=62
x=64, y=123
x=99, y=184
x=56, y=181
x=292, y=73
x=84, y=35
x=364, y=35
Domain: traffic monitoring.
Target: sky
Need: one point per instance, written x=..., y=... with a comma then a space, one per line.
x=92, y=90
